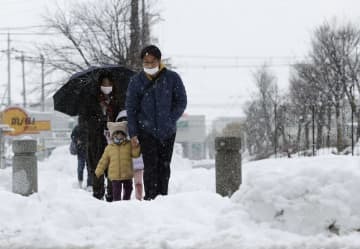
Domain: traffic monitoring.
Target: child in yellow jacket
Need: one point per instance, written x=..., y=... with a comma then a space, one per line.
x=117, y=158
x=138, y=164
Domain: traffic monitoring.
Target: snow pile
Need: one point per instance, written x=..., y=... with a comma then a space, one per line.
x=304, y=195
x=282, y=204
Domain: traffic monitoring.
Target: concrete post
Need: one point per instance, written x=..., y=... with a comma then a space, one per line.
x=24, y=167
x=228, y=165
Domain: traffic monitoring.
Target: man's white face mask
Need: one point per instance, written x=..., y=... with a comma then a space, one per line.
x=106, y=89
x=151, y=71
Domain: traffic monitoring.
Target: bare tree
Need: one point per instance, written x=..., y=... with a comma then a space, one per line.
x=344, y=58
x=268, y=95
x=310, y=96
x=261, y=124
x=334, y=52
x=95, y=32
x=255, y=130
x=328, y=78
x=299, y=100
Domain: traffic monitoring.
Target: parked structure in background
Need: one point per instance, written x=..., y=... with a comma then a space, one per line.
x=191, y=134
x=225, y=126
x=221, y=122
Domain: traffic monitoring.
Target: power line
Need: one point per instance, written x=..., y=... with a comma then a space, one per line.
x=22, y=27
x=33, y=33
x=234, y=57
x=19, y=41
x=36, y=59
x=15, y=1
x=204, y=66
x=53, y=33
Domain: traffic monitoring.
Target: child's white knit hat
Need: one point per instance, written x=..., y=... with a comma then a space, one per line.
x=117, y=126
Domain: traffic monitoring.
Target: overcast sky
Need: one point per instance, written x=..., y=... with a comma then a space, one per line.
x=214, y=44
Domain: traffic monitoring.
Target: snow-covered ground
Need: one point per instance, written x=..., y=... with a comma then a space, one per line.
x=299, y=203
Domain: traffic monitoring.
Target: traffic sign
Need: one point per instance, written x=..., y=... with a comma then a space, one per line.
x=21, y=123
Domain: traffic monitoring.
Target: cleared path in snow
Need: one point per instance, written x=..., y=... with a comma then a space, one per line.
x=283, y=204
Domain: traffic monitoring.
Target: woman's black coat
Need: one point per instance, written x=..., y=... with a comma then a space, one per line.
x=92, y=123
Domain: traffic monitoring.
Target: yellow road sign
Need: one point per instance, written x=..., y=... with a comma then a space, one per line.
x=22, y=123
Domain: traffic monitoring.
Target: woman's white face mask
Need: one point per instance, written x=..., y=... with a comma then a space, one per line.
x=151, y=71
x=106, y=89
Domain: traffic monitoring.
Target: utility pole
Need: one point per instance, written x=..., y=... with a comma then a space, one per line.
x=313, y=129
x=37, y=60
x=134, y=34
x=23, y=78
x=42, y=61
x=9, y=69
x=275, y=135
x=352, y=118
x=145, y=30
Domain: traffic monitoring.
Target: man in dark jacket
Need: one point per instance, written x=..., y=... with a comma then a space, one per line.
x=99, y=106
x=155, y=100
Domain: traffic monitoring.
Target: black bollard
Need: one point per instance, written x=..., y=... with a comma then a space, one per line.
x=228, y=165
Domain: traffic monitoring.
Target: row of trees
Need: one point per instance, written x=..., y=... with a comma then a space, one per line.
x=96, y=32
x=320, y=97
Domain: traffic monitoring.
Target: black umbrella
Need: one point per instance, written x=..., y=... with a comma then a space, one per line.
x=68, y=97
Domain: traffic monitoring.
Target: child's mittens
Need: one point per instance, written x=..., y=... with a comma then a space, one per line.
x=135, y=151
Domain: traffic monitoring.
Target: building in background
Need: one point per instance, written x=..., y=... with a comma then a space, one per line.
x=191, y=134
x=61, y=127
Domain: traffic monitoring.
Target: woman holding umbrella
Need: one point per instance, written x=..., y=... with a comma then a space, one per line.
x=99, y=106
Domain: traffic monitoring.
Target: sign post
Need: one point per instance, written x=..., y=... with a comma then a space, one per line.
x=18, y=122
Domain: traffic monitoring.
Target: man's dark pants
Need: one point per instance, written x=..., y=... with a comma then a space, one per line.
x=157, y=157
